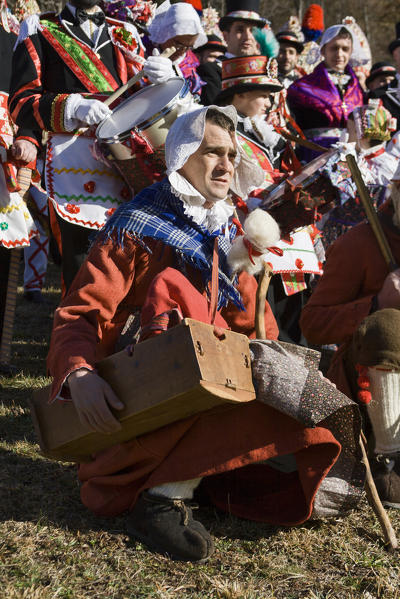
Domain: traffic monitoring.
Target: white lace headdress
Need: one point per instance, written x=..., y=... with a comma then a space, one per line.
x=176, y=19
x=185, y=137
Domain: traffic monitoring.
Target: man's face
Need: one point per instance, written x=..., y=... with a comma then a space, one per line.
x=209, y=55
x=253, y=103
x=240, y=39
x=287, y=58
x=337, y=53
x=380, y=81
x=84, y=3
x=181, y=43
x=211, y=168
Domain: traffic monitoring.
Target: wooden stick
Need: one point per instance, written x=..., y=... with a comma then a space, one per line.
x=371, y=213
x=261, y=296
x=375, y=501
x=302, y=142
x=121, y=90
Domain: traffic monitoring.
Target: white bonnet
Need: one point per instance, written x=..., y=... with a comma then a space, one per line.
x=332, y=32
x=185, y=137
x=176, y=19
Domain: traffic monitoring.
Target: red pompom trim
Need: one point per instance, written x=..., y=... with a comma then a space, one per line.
x=363, y=382
x=314, y=18
x=364, y=396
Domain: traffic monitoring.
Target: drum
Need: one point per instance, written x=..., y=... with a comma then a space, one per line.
x=301, y=200
x=133, y=136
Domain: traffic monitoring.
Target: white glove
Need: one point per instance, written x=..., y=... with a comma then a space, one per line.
x=158, y=68
x=91, y=112
x=83, y=111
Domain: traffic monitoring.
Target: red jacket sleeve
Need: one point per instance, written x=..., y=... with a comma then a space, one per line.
x=354, y=272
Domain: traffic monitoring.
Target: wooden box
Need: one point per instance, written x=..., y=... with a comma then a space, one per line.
x=172, y=376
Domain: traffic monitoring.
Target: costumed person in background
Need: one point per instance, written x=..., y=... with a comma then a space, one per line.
x=312, y=27
x=390, y=93
x=16, y=224
x=370, y=128
x=356, y=304
x=322, y=101
x=179, y=26
x=237, y=27
x=381, y=74
x=36, y=254
x=290, y=40
x=211, y=51
x=138, y=260
x=248, y=84
x=63, y=67
x=290, y=48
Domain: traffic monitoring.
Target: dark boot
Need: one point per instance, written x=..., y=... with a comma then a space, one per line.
x=386, y=472
x=166, y=526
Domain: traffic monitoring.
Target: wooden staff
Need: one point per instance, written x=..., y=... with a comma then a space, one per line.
x=375, y=501
x=371, y=213
x=261, y=296
x=370, y=488
x=24, y=181
x=121, y=90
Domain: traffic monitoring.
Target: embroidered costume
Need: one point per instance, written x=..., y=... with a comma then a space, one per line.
x=56, y=59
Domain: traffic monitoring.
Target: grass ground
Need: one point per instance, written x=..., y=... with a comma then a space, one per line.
x=51, y=547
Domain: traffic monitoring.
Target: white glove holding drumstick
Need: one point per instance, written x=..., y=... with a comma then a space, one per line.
x=85, y=112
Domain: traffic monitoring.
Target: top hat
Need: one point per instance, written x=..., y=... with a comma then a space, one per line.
x=380, y=68
x=290, y=38
x=241, y=10
x=395, y=43
x=213, y=43
x=247, y=73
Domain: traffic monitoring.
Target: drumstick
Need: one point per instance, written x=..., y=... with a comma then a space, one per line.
x=302, y=142
x=166, y=54
x=261, y=296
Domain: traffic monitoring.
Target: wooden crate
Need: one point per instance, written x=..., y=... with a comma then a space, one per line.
x=184, y=371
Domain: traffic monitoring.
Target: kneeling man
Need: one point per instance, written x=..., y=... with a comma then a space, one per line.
x=168, y=232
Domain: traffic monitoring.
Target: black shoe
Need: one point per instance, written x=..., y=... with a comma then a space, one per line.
x=166, y=526
x=35, y=296
x=386, y=472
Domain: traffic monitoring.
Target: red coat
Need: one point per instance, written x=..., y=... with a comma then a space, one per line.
x=225, y=444
x=354, y=273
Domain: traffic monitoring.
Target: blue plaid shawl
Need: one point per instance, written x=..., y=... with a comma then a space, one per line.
x=156, y=213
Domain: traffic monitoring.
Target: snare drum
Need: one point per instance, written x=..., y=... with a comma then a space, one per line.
x=133, y=136
x=300, y=200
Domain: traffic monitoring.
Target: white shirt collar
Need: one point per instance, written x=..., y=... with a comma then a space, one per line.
x=212, y=218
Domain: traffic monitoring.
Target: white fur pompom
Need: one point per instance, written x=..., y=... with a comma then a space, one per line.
x=262, y=231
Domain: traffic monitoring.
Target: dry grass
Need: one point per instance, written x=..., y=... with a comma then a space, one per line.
x=51, y=547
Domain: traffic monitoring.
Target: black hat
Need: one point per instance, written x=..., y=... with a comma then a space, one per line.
x=380, y=68
x=241, y=10
x=291, y=39
x=395, y=43
x=213, y=43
